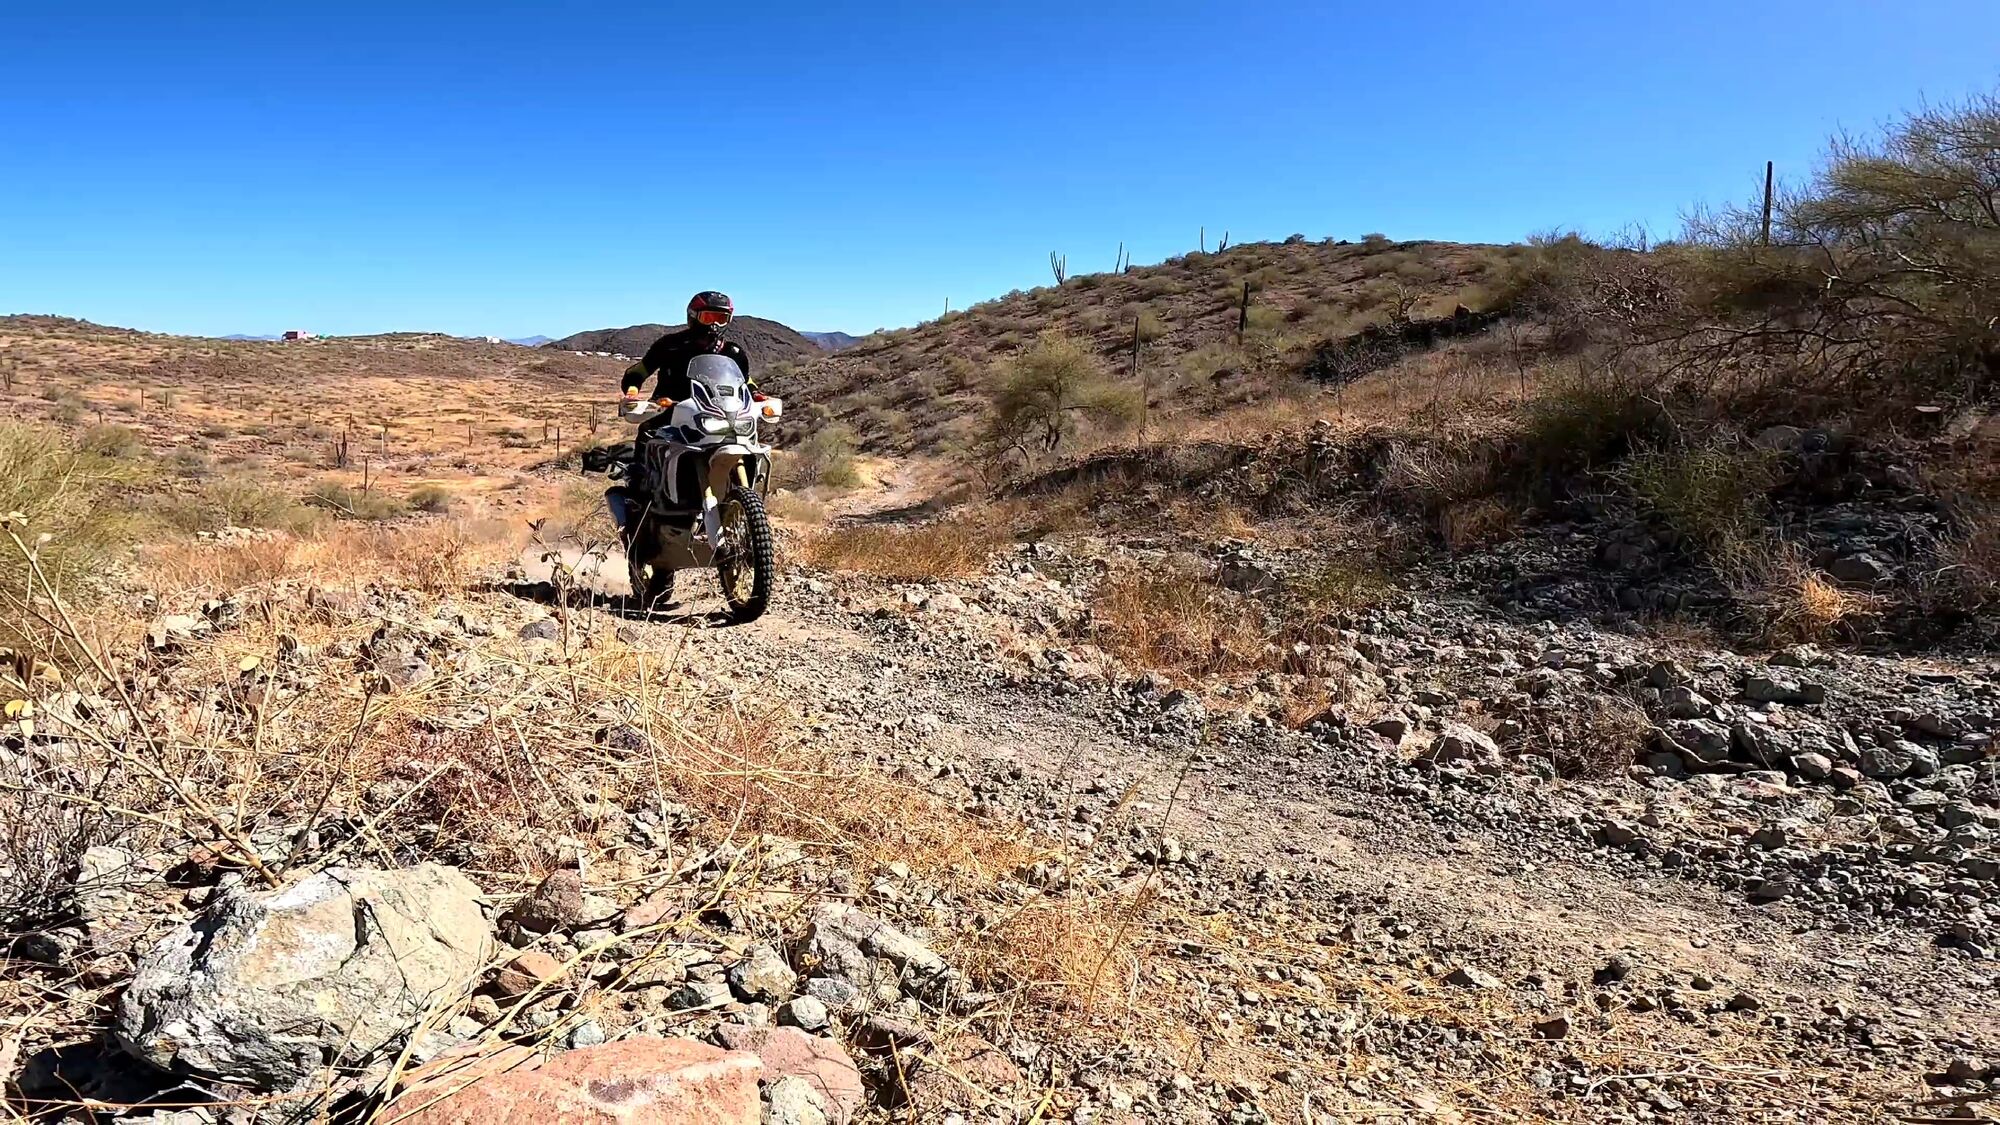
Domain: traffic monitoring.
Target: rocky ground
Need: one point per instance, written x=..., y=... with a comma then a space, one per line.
x=1443, y=899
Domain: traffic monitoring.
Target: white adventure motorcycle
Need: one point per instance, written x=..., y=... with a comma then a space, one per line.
x=694, y=491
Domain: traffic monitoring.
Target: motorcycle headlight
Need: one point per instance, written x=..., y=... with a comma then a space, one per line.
x=713, y=425
x=746, y=426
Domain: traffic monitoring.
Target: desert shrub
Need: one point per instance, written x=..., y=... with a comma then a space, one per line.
x=232, y=502
x=825, y=457
x=1788, y=601
x=1175, y=621
x=1598, y=739
x=1712, y=496
x=65, y=406
x=66, y=496
x=112, y=440
x=1334, y=583
x=1479, y=522
x=1151, y=327
x=354, y=503
x=960, y=372
x=187, y=461
x=433, y=498
x=1376, y=240
x=1587, y=421
x=1264, y=318
x=50, y=814
x=1042, y=394
x=1885, y=268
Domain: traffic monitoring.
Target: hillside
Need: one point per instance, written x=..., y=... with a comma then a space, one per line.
x=767, y=341
x=924, y=389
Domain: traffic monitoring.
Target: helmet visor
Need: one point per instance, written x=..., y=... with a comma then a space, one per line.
x=713, y=317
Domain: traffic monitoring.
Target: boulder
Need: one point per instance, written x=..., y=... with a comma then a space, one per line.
x=639, y=1081
x=763, y=977
x=559, y=904
x=1460, y=743
x=266, y=988
x=791, y=1100
x=1862, y=569
x=845, y=943
x=787, y=1052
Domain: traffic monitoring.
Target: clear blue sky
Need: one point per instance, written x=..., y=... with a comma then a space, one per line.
x=219, y=167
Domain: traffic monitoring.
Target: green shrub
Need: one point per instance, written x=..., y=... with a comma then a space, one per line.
x=1043, y=393
x=1151, y=327
x=112, y=440
x=433, y=498
x=1712, y=496
x=1264, y=318
x=70, y=498
x=1587, y=422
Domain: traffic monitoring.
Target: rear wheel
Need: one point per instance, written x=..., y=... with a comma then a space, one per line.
x=745, y=562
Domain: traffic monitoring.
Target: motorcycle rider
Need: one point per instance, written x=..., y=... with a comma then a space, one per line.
x=707, y=314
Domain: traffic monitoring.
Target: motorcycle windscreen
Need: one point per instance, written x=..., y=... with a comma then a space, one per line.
x=718, y=384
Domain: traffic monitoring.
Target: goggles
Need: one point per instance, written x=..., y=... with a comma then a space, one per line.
x=713, y=317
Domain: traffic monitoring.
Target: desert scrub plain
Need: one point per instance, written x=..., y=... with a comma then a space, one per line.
x=1542, y=682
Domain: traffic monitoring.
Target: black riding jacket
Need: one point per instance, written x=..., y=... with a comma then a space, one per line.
x=668, y=358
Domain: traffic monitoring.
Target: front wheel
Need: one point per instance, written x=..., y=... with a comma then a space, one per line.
x=744, y=559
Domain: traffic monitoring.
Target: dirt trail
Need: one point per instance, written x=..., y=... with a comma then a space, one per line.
x=913, y=691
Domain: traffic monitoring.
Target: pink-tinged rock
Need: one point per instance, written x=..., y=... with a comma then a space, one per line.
x=642, y=1081
x=787, y=1051
x=524, y=972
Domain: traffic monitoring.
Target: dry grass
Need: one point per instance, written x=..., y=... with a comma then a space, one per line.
x=956, y=546
x=1173, y=621
x=1482, y=522
x=1791, y=601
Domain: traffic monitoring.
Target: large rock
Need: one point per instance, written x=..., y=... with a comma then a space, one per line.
x=1460, y=743
x=848, y=945
x=561, y=904
x=265, y=989
x=639, y=1081
x=787, y=1052
x=763, y=977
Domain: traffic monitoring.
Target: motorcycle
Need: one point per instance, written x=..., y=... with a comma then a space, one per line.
x=694, y=490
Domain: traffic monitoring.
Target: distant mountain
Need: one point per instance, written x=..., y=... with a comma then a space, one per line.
x=767, y=341
x=239, y=336
x=533, y=341
x=832, y=341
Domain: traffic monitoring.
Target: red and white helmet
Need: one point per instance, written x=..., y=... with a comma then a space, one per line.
x=710, y=309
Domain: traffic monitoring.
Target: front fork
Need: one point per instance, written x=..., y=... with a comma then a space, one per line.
x=711, y=510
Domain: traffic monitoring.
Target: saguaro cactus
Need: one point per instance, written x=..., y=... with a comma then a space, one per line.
x=1059, y=265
